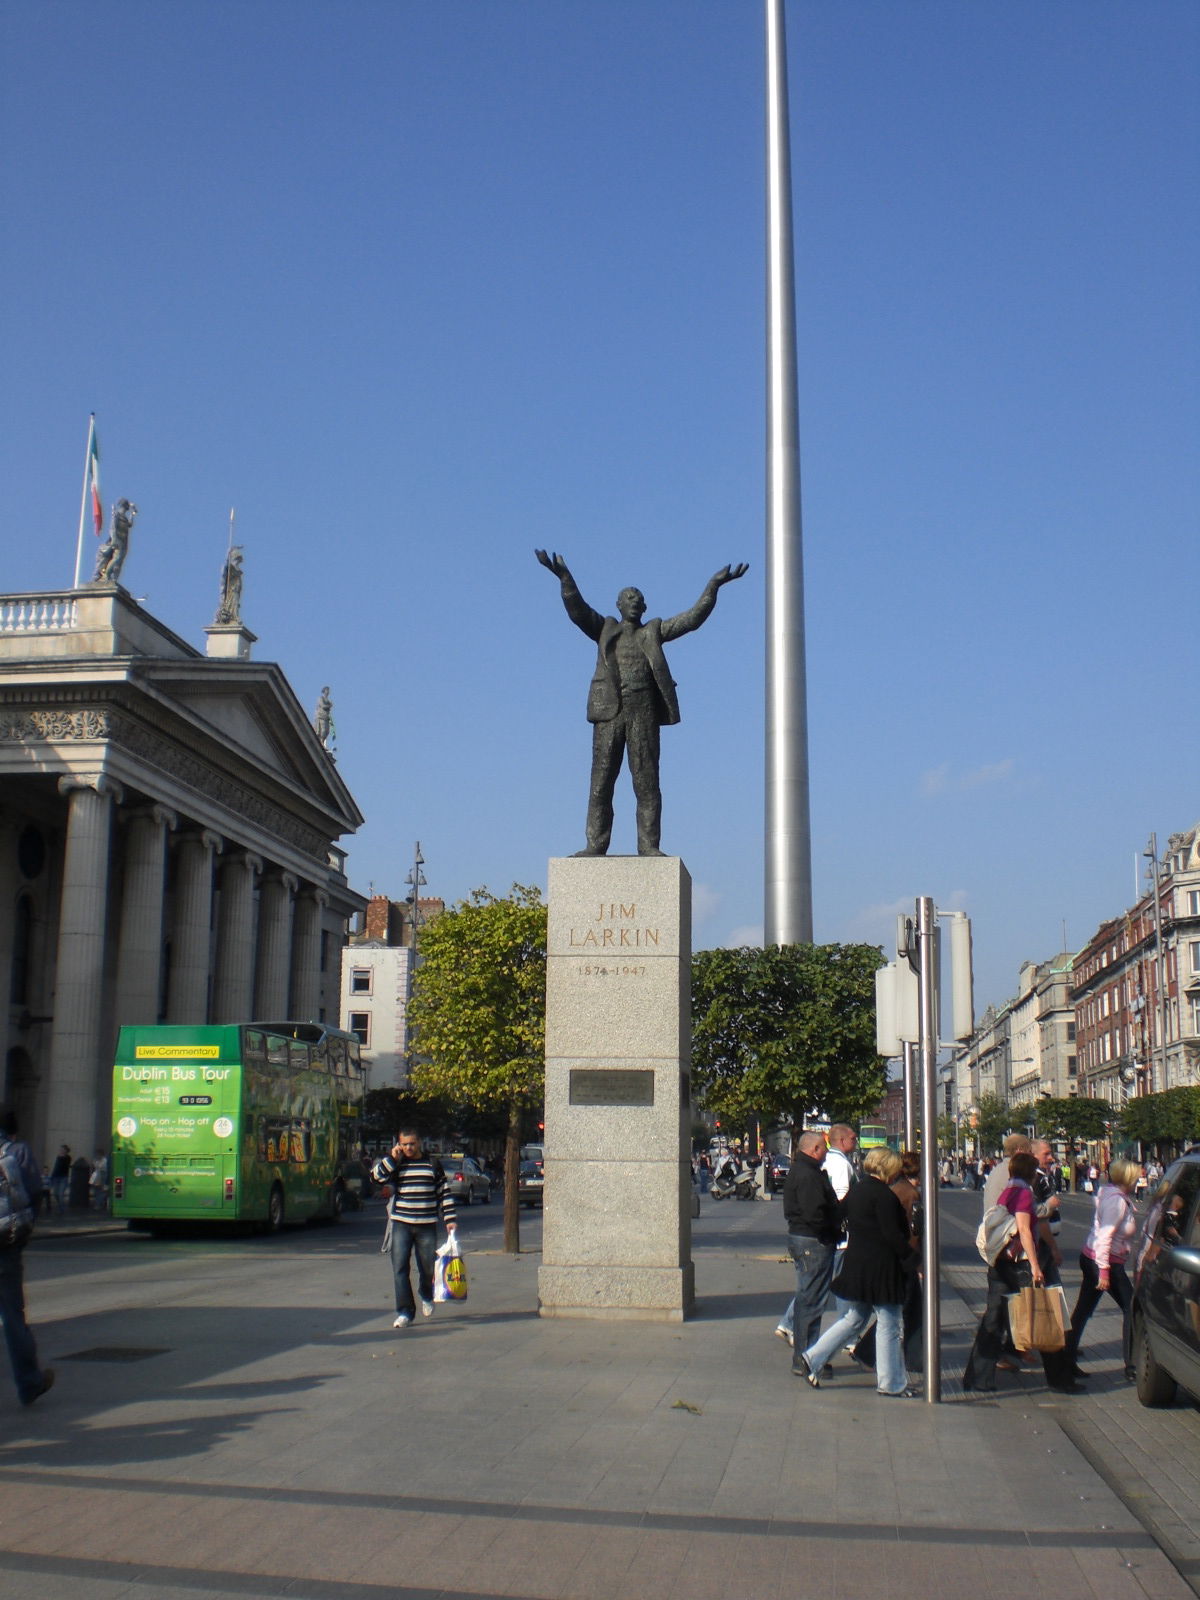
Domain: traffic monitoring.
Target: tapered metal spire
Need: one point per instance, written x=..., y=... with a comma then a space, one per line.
x=788, y=856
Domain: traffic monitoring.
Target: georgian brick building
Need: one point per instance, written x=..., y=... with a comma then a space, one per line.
x=1125, y=986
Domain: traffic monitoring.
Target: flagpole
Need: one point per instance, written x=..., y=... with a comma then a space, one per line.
x=87, y=463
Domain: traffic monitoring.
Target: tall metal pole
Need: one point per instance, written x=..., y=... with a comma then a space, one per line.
x=930, y=1245
x=788, y=854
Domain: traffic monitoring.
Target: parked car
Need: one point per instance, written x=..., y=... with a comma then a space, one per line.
x=530, y=1183
x=466, y=1180
x=356, y=1185
x=1163, y=1329
x=778, y=1167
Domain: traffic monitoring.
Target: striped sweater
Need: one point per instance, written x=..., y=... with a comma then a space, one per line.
x=419, y=1192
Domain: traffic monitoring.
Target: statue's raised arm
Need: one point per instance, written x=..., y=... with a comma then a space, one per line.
x=580, y=613
x=688, y=621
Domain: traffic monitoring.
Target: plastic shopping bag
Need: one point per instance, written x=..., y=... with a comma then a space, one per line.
x=449, y=1272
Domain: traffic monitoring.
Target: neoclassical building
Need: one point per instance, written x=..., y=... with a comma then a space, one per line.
x=168, y=828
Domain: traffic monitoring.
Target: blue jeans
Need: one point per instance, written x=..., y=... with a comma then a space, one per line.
x=853, y=1316
x=814, y=1272
x=407, y=1237
x=22, y=1352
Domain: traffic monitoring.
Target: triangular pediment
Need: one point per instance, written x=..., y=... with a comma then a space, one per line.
x=249, y=712
x=240, y=718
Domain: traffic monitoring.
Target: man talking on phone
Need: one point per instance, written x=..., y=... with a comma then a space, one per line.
x=419, y=1197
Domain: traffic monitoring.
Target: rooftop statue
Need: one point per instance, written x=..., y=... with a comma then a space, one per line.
x=110, y=557
x=323, y=718
x=230, y=608
x=632, y=696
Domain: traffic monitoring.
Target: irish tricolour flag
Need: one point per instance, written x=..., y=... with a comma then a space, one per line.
x=94, y=481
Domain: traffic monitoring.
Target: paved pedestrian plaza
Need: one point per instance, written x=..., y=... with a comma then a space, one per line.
x=239, y=1418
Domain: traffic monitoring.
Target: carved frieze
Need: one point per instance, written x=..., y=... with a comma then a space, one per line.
x=68, y=724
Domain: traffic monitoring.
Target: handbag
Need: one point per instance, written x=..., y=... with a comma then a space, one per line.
x=1036, y=1319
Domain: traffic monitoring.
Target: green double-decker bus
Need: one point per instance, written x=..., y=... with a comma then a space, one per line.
x=256, y=1122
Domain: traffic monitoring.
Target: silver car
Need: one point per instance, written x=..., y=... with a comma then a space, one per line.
x=466, y=1180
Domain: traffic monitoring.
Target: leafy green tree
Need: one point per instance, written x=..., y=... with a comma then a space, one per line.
x=947, y=1132
x=479, y=1011
x=786, y=1032
x=1172, y=1117
x=1074, y=1117
x=993, y=1119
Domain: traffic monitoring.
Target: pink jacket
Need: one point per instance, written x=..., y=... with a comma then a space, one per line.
x=1114, y=1223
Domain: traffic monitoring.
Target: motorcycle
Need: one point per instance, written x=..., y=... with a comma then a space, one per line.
x=741, y=1185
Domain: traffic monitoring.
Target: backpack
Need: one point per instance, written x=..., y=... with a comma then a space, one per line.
x=16, y=1212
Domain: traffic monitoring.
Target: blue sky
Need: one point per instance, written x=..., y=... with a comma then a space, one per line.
x=418, y=287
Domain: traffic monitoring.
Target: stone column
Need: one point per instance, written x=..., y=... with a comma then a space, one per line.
x=306, y=955
x=191, y=928
x=274, y=946
x=140, y=942
x=80, y=1059
x=233, y=991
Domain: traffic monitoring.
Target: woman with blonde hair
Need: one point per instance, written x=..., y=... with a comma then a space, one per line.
x=1105, y=1251
x=874, y=1278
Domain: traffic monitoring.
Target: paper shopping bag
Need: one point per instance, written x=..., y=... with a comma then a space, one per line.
x=1035, y=1318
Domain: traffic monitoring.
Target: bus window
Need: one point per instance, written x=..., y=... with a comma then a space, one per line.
x=354, y=1055
x=255, y=1046
x=337, y=1056
x=277, y=1050
x=297, y=1055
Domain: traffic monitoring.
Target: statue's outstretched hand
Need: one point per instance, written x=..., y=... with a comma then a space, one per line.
x=728, y=574
x=553, y=563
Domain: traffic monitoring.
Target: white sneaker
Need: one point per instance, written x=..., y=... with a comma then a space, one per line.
x=401, y=1321
x=426, y=1308
x=782, y=1333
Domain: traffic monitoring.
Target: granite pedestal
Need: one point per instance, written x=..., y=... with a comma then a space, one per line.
x=616, y=1239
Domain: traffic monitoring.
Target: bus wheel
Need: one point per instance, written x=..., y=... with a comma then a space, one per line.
x=339, y=1200
x=275, y=1211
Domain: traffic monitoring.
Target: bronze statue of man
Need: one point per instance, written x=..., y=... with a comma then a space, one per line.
x=632, y=696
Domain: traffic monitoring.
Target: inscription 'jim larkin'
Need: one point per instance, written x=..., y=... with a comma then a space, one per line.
x=605, y=936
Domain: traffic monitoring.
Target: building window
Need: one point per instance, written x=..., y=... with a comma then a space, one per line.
x=1071, y=1066
x=1194, y=954
x=360, y=980
x=1070, y=1032
x=360, y=1027
x=1194, y=902
x=1194, y=1007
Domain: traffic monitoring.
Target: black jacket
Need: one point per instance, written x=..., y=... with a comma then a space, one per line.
x=809, y=1202
x=879, y=1256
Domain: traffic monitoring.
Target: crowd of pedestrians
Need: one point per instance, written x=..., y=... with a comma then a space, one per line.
x=854, y=1230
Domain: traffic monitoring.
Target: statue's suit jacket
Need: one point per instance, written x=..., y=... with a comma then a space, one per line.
x=604, y=694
